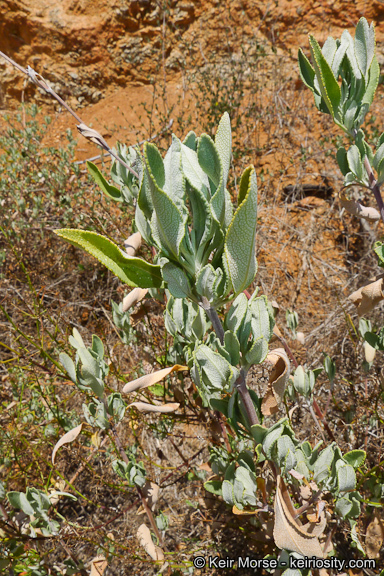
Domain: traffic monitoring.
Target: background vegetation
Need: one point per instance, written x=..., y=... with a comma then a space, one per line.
x=311, y=255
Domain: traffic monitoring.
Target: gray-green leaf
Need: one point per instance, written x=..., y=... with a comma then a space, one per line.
x=133, y=271
x=239, y=248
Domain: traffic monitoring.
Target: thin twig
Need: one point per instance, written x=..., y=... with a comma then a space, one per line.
x=241, y=385
x=84, y=130
x=124, y=456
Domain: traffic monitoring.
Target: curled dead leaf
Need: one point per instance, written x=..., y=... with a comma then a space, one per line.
x=305, y=492
x=145, y=539
x=150, y=379
x=277, y=381
x=161, y=409
x=92, y=135
x=66, y=439
x=369, y=352
x=356, y=209
x=300, y=337
x=133, y=298
x=98, y=566
x=132, y=244
x=374, y=538
x=150, y=491
x=289, y=533
x=276, y=333
x=367, y=297
x=275, y=307
x=239, y=512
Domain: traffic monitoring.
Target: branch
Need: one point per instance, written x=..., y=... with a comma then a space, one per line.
x=375, y=187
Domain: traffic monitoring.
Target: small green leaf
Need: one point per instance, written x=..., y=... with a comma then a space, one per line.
x=341, y=157
x=214, y=487
x=346, y=478
x=177, y=281
x=329, y=87
x=378, y=249
x=355, y=162
x=193, y=171
x=227, y=491
x=258, y=433
x=373, y=82
x=19, y=500
x=174, y=184
x=190, y=140
x=329, y=50
x=209, y=159
x=68, y=365
x=97, y=346
x=307, y=71
x=208, y=282
x=355, y=458
x=168, y=222
x=364, y=45
x=257, y=352
x=108, y=189
x=132, y=271
x=223, y=143
x=239, y=248
x=210, y=162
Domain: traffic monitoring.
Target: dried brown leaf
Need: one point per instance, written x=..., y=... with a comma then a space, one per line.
x=161, y=409
x=300, y=337
x=150, y=379
x=145, y=539
x=367, y=297
x=92, y=135
x=66, y=439
x=133, y=298
x=151, y=492
x=305, y=492
x=369, y=352
x=288, y=532
x=374, y=538
x=98, y=566
x=132, y=244
x=357, y=209
x=277, y=381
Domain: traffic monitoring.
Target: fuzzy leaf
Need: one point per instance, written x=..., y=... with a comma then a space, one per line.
x=176, y=280
x=223, y=143
x=355, y=458
x=307, y=71
x=132, y=271
x=108, y=189
x=341, y=157
x=354, y=161
x=68, y=365
x=346, y=478
x=193, y=171
x=239, y=247
x=364, y=45
x=329, y=87
x=167, y=220
x=19, y=500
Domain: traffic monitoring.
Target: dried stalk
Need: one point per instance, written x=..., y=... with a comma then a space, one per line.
x=84, y=130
